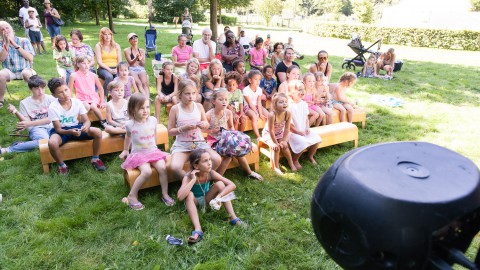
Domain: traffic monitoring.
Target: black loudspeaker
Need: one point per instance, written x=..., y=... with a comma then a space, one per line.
x=401, y=205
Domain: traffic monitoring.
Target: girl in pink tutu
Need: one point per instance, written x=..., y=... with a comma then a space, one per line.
x=141, y=135
x=315, y=113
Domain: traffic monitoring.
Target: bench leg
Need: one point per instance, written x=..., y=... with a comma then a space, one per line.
x=363, y=124
x=256, y=166
x=46, y=168
x=355, y=143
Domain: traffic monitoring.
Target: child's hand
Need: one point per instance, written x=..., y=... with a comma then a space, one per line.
x=123, y=155
x=307, y=131
x=283, y=144
x=203, y=125
x=102, y=105
x=23, y=125
x=192, y=175
x=263, y=117
x=12, y=109
x=76, y=132
x=275, y=147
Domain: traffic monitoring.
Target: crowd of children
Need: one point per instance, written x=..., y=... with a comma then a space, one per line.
x=211, y=102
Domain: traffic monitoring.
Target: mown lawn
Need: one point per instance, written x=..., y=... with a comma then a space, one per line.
x=78, y=222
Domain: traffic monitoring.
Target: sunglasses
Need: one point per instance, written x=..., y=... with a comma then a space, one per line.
x=323, y=58
x=230, y=36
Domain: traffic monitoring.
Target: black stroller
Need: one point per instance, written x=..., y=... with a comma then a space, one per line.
x=357, y=46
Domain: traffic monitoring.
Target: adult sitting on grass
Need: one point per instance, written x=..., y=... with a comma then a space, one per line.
x=386, y=62
x=16, y=55
x=108, y=54
x=33, y=116
x=322, y=65
x=201, y=186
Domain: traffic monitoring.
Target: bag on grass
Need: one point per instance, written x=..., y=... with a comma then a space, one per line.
x=233, y=143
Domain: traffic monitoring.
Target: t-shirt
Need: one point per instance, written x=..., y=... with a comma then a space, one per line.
x=202, y=49
x=34, y=24
x=282, y=68
x=119, y=116
x=236, y=96
x=67, y=118
x=244, y=41
x=17, y=63
x=36, y=110
x=85, y=49
x=248, y=92
x=268, y=85
x=64, y=59
x=257, y=56
x=143, y=134
x=183, y=55
x=23, y=12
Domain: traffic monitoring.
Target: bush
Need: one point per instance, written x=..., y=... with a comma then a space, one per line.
x=431, y=38
x=227, y=20
x=475, y=5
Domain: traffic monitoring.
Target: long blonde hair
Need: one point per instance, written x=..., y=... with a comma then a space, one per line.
x=214, y=62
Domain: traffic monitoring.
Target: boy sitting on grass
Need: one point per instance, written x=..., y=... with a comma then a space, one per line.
x=64, y=115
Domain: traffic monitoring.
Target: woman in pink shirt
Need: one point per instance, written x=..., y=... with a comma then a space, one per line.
x=182, y=52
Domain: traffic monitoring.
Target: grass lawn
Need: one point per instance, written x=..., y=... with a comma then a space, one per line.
x=78, y=222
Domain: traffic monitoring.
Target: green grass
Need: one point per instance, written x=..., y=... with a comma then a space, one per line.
x=78, y=222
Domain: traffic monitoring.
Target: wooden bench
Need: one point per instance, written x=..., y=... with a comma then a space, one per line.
x=331, y=135
x=80, y=149
x=92, y=117
x=130, y=175
x=359, y=115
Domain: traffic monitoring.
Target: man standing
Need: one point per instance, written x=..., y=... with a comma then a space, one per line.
x=23, y=14
x=204, y=49
x=16, y=55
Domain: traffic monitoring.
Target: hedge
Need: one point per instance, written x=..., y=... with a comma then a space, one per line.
x=227, y=20
x=431, y=38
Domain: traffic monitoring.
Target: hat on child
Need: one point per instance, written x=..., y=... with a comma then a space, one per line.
x=131, y=35
x=268, y=35
x=31, y=9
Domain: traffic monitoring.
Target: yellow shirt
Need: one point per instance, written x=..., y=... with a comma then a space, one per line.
x=110, y=58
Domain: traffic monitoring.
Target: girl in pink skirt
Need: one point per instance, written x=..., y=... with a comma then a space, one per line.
x=141, y=135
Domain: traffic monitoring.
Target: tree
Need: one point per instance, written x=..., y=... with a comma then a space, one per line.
x=336, y=6
x=364, y=10
x=213, y=19
x=475, y=5
x=268, y=8
x=165, y=10
x=309, y=6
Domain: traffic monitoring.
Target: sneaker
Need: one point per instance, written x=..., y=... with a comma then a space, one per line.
x=98, y=165
x=63, y=170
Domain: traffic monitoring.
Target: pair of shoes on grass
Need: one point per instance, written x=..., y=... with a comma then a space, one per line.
x=97, y=164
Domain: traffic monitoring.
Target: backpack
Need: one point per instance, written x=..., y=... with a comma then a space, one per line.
x=233, y=143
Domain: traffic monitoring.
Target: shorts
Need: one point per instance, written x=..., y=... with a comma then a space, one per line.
x=201, y=201
x=204, y=66
x=137, y=69
x=34, y=36
x=336, y=102
x=17, y=75
x=65, y=138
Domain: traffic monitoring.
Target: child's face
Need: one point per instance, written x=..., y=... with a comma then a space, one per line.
x=321, y=81
x=268, y=73
x=189, y=95
x=294, y=74
x=168, y=70
x=63, y=93
x=62, y=44
x=282, y=104
x=192, y=69
x=309, y=82
x=143, y=112
x=205, y=163
x=371, y=61
x=254, y=81
x=117, y=93
x=221, y=102
x=299, y=94
x=279, y=49
x=259, y=45
x=241, y=68
x=232, y=85
x=123, y=71
x=216, y=69
x=38, y=91
x=84, y=65
x=31, y=14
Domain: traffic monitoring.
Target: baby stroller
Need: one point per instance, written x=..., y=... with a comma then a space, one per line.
x=357, y=46
x=150, y=39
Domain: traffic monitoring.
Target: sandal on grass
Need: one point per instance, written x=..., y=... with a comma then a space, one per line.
x=193, y=240
x=168, y=202
x=255, y=176
x=135, y=206
x=238, y=222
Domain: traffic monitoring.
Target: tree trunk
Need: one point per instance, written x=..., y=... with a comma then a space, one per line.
x=219, y=11
x=97, y=17
x=150, y=12
x=110, y=17
x=213, y=19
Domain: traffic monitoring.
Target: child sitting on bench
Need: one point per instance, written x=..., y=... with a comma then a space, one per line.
x=64, y=113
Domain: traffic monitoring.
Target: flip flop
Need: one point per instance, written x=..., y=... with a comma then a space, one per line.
x=135, y=206
x=168, y=202
x=199, y=238
x=255, y=176
x=238, y=222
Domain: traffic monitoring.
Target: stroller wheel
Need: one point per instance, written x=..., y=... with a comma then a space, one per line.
x=351, y=66
x=344, y=65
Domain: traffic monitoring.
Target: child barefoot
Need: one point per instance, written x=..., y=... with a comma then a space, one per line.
x=268, y=83
x=252, y=94
x=202, y=185
x=64, y=113
x=277, y=131
x=322, y=97
x=127, y=80
x=167, y=84
x=64, y=58
x=301, y=138
x=235, y=100
x=315, y=115
x=221, y=117
x=117, y=112
x=141, y=135
x=84, y=82
x=186, y=121
x=339, y=99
